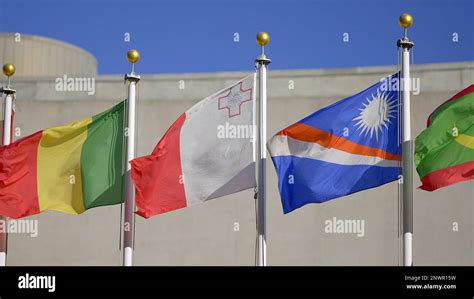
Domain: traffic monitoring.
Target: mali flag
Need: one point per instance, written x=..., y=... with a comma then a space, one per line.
x=444, y=151
x=70, y=168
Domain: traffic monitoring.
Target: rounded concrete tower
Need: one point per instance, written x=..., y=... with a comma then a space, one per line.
x=36, y=56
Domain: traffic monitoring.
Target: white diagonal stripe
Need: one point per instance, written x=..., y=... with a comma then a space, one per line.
x=281, y=145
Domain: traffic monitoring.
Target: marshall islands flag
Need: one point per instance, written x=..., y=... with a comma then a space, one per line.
x=341, y=149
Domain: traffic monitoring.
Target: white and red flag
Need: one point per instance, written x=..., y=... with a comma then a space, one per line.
x=207, y=153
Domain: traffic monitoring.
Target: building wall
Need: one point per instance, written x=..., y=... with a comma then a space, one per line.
x=205, y=234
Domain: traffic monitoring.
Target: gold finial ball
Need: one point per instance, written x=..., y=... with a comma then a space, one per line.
x=405, y=20
x=263, y=38
x=133, y=56
x=9, y=69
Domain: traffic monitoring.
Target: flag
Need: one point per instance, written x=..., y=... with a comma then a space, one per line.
x=444, y=151
x=70, y=168
x=346, y=147
x=207, y=153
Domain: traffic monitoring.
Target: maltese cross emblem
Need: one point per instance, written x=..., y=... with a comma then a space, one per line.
x=234, y=99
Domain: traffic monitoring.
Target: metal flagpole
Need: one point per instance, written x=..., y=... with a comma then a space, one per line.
x=407, y=151
x=8, y=70
x=129, y=210
x=262, y=61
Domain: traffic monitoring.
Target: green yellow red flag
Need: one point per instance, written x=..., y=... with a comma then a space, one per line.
x=69, y=168
x=444, y=151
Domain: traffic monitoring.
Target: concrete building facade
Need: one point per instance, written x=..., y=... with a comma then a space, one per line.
x=223, y=231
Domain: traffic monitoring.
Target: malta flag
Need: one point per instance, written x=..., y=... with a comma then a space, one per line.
x=349, y=146
x=207, y=153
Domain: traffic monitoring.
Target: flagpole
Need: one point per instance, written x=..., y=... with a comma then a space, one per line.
x=8, y=70
x=129, y=211
x=262, y=61
x=407, y=151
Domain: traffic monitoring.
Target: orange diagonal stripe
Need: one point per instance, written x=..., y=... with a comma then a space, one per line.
x=307, y=133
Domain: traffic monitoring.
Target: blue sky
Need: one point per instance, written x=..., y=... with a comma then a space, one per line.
x=180, y=36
